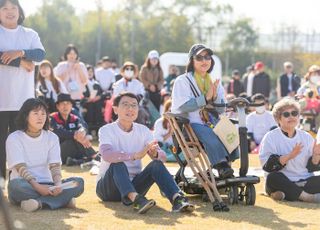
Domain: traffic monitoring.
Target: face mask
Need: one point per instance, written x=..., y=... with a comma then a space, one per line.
x=260, y=109
x=128, y=73
x=315, y=79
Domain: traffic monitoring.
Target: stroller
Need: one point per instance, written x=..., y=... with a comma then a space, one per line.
x=204, y=182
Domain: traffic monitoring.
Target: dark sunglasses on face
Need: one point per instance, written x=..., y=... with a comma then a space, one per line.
x=128, y=68
x=201, y=58
x=293, y=113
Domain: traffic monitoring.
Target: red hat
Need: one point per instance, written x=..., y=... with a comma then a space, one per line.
x=258, y=65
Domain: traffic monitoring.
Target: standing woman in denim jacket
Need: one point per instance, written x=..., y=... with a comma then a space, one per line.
x=19, y=47
x=193, y=90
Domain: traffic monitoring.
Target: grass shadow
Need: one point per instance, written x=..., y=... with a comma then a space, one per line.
x=44, y=219
x=255, y=215
x=155, y=216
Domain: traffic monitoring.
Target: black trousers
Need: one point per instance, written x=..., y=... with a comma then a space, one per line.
x=7, y=126
x=73, y=149
x=277, y=181
x=155, y=98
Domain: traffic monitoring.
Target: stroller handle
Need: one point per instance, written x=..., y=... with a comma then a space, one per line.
x=237, y=102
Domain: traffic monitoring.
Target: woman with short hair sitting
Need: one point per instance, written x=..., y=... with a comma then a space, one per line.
x=290, y=156
x=34, y=161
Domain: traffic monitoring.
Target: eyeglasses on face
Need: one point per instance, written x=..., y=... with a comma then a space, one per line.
x=126, y=105
x=293, y=113
x=201, y=58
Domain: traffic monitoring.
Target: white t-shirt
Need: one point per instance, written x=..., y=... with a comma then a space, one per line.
x=182, y=93
x=260, y=124
x=250, y=84
x=134, y=86
x=159, y=132
x=36, y=153
x=105, y=77
x=17, y=84
x=318, y=136
x=72, y=80
x=275, y=142
x=128, y=142
x=51, y=90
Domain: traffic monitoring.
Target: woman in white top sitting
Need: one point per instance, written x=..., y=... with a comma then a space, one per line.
x=34, y=162
x=290, y=156
x=48, y=86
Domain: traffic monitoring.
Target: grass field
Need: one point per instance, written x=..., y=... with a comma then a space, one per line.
x=91, y=213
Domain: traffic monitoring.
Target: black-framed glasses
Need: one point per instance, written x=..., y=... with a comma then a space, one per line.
x=202, y=57
x=293, y=113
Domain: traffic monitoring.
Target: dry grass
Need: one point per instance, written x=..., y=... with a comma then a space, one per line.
x=94, y=214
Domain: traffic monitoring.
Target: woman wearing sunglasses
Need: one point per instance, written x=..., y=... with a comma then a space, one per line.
x=290, y=156
x=193, y=90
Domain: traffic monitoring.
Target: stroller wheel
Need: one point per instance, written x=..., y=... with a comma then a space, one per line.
x=233, y=195
x=250, y=194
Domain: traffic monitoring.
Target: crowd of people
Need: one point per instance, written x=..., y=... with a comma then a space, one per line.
x=51, y=120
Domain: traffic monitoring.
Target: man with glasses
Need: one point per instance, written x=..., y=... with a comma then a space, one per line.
x=122, y=145
x=289, y=81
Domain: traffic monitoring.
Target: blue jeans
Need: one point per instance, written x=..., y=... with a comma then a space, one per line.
x=19, y=190
x=212, y=145
x=116, y=184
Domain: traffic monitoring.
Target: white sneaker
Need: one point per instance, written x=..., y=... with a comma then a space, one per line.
x=30, y=205
x=72, y=203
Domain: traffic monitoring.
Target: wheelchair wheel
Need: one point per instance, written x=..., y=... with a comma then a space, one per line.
x=250, y=194
x=233, y=194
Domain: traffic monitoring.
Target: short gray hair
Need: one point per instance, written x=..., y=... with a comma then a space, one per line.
x=282, y=105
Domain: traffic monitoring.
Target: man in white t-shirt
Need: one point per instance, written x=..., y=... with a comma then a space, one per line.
x=259, y=122
x=122, y=145
x=105, y=75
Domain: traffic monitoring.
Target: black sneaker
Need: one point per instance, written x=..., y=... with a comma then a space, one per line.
x=224, y=170
x=181, y=204
x=142, y=205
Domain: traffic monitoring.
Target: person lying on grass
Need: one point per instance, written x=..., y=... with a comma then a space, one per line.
x=122, y=145
x=34, y=163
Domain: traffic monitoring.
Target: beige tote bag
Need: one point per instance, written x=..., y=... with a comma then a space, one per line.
x=228, y=133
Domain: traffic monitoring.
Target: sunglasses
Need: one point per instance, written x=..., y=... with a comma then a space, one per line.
x=293, y=113
x=201, y=58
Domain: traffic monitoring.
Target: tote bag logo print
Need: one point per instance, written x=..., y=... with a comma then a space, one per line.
x=231, y=137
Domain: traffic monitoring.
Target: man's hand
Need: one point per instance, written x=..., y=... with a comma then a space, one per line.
x=9, y=56
x=147, y=148
x=27, y=65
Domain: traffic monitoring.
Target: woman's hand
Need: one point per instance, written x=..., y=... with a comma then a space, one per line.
x=42, y=189
x=212, y=92
x=316, y=154
x=152, y=88
x=9, y=56
x=296, y=151
x=56, y=191
x=293, y=154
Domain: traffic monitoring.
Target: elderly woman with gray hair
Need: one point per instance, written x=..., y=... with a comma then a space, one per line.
x=290, y=156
